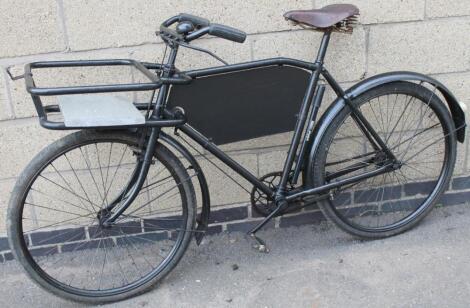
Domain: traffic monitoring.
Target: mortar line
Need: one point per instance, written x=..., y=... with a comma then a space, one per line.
x=9, y=98
x=24, y=58
x=251, y=43
x=367, y=43
x=418, y=21
x=128, y=48
x=449, y=73
x=18, y=121
x=425, y=15
x=63, y=24
x=466, y=160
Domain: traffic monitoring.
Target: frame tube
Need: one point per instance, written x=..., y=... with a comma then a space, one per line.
x=327, y=187
x=306, y=105
x=212, y=148
x=251, y=65
x=313, y=116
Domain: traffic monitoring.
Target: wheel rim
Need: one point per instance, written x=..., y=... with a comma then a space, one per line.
x=418, y=137
x=63, y=238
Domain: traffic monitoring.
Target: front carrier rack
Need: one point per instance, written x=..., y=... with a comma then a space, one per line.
x=153, y=82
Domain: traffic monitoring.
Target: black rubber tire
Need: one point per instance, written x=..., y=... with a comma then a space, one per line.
x=14, y=220
x=318, y=166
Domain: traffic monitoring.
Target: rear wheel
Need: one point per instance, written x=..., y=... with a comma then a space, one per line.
x=417, y=127
x=57, y=206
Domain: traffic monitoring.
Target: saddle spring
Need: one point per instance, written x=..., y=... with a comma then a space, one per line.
x=347, y=25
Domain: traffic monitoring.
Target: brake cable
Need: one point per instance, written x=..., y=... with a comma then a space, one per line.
x=202, y=50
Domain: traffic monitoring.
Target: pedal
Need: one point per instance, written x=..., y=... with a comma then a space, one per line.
x=260, y=245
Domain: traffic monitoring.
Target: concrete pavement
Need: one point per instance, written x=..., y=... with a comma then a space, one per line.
x=310, y=266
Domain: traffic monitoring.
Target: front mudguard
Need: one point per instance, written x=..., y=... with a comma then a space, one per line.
x=456, y=111
x=203, y=217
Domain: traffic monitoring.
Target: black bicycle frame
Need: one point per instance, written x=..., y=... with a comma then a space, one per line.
x=310, y=105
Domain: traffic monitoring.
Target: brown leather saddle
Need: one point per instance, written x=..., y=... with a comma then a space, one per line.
x=337, y=16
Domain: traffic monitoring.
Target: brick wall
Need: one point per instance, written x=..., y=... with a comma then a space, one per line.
x=428, y=36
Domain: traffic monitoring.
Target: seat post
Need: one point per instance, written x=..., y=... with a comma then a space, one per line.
x=323, y=46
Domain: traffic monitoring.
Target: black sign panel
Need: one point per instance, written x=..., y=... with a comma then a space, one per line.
x=243, y=105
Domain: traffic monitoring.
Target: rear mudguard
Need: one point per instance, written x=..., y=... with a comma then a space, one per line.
x=458, y=114
x=203, y=217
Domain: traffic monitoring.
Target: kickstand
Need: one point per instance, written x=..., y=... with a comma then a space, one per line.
x=259, y=245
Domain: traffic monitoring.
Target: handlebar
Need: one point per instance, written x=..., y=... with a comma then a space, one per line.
x=227, y=33
x=202, y=27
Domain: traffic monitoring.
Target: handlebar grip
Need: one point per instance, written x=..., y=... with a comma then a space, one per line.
x=195, y=20
x=227, y=33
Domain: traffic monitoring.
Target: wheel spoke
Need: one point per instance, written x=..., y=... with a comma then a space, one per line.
x=62, y=218
x=416, y=134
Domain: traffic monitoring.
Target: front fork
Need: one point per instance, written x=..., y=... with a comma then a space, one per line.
x=116, y=209
x=112, y=211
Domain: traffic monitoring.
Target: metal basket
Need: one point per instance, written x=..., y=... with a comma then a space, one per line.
x=89, y=112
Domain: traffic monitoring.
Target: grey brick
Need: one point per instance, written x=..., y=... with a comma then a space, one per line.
x=420, y=46
x=135, y=22
x=346, y=58
x=5, y=108
x=461, y=164
x=8, y=256
x=402, y=205
x=142, y=238
x=247, y=226
x=377, y=194
x=461, y=183
x=255, y=214
x=455, y=198
x=29, y=27
x=6, y=187
x=25, y=137
x=380, y=11
x=457, y=84
x=58, y=236
x=222, y=189
x=46, y=251
x=132, y=227
x=343, y=199
x=93, y=244
x=214, y=230
x=445, y=8
x=272, y=161
x=162, y=223
x=417, y=188
x=229, y=214
x=229, y=51
x=4, y=244
x=301, y=219
x=363, y=210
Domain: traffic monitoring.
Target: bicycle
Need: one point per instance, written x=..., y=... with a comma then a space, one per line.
x=105, y=213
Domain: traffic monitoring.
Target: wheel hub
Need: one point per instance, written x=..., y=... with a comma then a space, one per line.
x=103, y=216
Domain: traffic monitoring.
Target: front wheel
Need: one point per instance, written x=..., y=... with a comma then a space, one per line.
x=57, y=207
x=418, y=129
